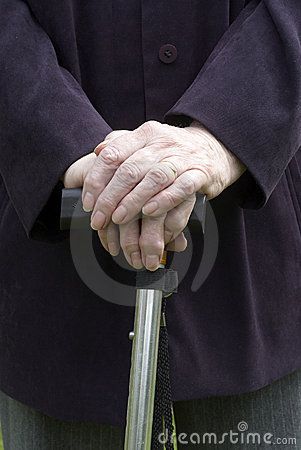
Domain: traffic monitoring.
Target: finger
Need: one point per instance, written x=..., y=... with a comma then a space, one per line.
x=151, y=241
x=109, y=159
x=177, y=219
x=109, y=237
x=123, y=181
x=113, y=239
x=110, y=137
x=184, y=186
x=156, y=178
x=121, y=193
x=76, y=173
x=102, y=234
x=129, y=241
x=179, y=244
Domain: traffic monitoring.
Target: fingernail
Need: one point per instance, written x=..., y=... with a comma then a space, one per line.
x=88, y=202
x=136, y=260
x=120, y=214
x=113, y=248
x=98, y=220
x=152, y=262
x=150, y=207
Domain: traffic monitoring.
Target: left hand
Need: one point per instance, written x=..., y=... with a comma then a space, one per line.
x=155, y=168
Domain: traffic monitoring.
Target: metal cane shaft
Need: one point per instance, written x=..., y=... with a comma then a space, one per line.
x=143, y=370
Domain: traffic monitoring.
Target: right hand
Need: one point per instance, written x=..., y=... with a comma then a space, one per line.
x=75, y=175
x=141, y=247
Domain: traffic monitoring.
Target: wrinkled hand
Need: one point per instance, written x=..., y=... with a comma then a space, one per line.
x=142, y=243
x=155, y=168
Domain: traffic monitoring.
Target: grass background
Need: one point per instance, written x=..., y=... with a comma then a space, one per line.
x=1, y=445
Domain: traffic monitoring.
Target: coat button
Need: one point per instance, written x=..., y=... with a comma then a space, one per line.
x=168, y=53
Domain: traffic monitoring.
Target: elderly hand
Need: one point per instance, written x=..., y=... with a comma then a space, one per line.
x=141, y=241
x=155, y=168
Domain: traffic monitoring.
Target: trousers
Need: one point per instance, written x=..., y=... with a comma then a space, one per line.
x=260, y=419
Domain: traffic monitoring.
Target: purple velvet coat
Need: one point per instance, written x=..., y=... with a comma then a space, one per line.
x=70, y=72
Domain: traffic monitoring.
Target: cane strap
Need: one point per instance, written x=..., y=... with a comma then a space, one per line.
x=163, y=428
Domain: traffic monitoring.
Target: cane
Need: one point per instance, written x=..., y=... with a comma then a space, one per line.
x=150, y=288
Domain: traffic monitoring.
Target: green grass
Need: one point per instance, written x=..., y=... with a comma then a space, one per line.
x=1, y=443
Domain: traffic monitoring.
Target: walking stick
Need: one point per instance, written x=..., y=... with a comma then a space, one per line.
x=143, y=368
x=150, y=288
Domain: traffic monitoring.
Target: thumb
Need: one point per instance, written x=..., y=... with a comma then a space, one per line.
x=179, y=244
x=76, y=173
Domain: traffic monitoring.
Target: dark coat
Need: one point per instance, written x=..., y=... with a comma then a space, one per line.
x=70, y=72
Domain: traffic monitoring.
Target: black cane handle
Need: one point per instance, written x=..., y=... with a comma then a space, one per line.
x=72, y=210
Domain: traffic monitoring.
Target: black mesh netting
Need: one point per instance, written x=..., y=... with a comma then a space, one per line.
x=162, y=421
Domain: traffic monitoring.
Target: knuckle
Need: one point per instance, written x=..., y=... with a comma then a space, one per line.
x=188, y=186
x=168, y=198
x=149, y=128
x=215, y=182
x=128, y=173
x=213, y=189
x=114, y=134
x=133, y=205
x=151, y=244
x=109, y=155
x=129, y=246
x=110, y=135
x=105, y=204
x=112, y=236
x=92, y=180
x=158, y=176
x=153, y=124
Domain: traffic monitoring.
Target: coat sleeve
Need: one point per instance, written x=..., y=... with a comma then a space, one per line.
x=248, y=94
x=46, y=120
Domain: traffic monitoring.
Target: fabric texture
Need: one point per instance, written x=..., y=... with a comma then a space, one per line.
x=56, y=111
x=72, y=71
x=260, y=101
x=274, y=410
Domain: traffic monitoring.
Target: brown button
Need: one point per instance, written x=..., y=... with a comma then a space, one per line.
x=168, y=53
